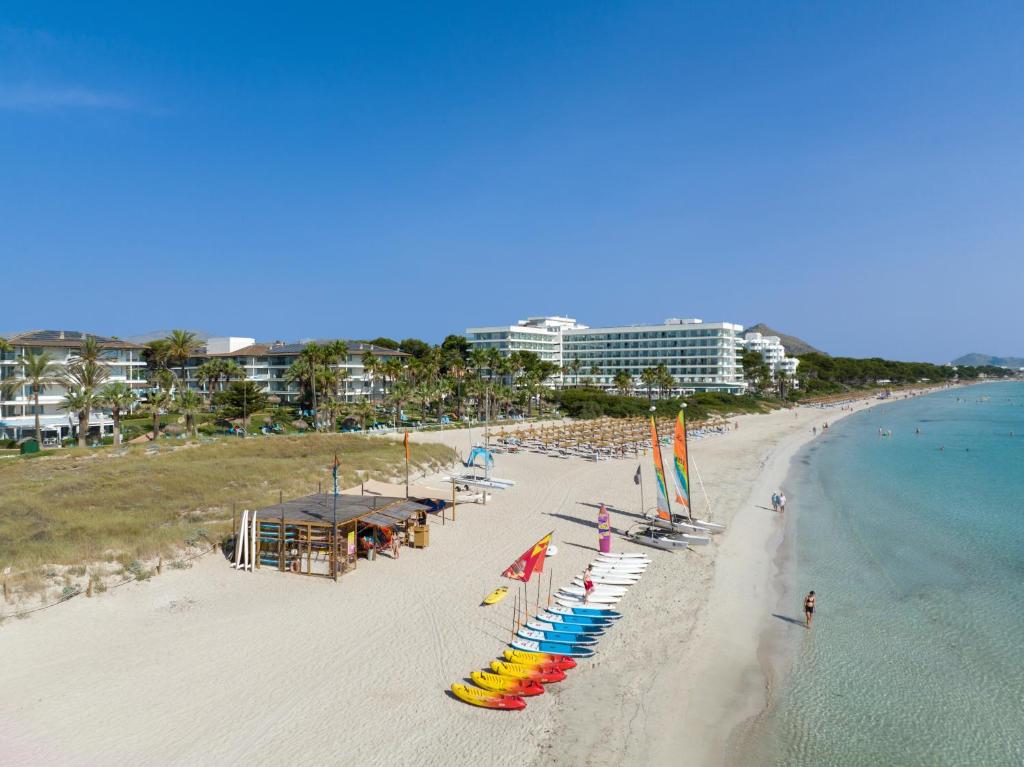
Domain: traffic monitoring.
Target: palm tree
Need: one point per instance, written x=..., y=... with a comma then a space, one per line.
x=364, y=410
x=189, y=404
x=157, y=401
x=400, y=394
x=649, y=378
x=119, y=397
x=209, y=374
x=82, y=378
x=37, y=372
x=5, y=346
x=182, y=344
x=231, y=370
x=623, y=381
x=81, y=402
x=371, y=368
x=574, y=368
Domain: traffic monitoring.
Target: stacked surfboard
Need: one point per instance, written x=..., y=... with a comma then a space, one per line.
x=546, y=646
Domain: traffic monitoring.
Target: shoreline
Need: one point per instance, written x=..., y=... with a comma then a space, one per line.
x=775, y=650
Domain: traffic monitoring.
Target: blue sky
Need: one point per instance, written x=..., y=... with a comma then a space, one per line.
x=851, y=173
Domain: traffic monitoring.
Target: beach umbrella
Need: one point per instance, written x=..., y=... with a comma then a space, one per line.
x=174, y=428
x=300, y=424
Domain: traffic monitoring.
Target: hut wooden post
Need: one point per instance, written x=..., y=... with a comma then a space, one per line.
x=453, y=500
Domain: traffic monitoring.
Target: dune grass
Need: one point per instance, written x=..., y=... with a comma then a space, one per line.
x=111, y=505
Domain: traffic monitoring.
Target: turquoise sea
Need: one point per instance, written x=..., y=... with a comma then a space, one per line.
x=916, y=656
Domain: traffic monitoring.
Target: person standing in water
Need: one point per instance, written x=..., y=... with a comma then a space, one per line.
x=782, y=502
x=809, y=609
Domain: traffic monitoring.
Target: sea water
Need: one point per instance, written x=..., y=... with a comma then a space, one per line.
x=914, y=544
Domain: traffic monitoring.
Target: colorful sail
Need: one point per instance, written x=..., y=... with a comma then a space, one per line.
x=664, y=509
x=682, y=464
x=532, y=559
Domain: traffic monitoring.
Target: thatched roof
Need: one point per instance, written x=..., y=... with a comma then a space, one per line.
x=300, y=424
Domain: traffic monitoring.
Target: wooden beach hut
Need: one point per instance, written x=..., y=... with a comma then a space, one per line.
x=323, y=534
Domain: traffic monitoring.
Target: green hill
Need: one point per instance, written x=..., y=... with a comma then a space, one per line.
x=977, y=360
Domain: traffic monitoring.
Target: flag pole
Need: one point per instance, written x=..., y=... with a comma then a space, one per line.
x=407, y=464
x=334, y=523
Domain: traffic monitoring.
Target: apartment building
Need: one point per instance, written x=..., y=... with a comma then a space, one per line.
x=773, y=352
x=17, y=412
x=267, y=363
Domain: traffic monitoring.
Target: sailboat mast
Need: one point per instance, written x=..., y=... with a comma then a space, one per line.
x=686, y=462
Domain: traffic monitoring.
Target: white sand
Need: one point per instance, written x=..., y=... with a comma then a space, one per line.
x=210, y=664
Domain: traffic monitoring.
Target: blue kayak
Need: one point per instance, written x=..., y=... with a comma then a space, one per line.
x=579, y=629
x=556, y=648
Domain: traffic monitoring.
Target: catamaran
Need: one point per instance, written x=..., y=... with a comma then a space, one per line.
x=678, y=536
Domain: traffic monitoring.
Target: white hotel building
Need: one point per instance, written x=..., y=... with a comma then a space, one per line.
x=700, y=356
x=540, y=335
x=773, y=352
x=17, y=414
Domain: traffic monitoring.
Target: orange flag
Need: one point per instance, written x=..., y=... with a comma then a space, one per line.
x=532, y=559
x=407, y=446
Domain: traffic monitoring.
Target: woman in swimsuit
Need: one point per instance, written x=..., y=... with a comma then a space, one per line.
x=809, y=609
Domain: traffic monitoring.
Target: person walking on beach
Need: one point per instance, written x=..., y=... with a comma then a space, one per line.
x=782, y=503
x=809, y=609
x=775, y=501
x=588, y=585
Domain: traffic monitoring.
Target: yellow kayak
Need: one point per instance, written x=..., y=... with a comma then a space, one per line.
x=527, y=658
x=542, y=674
x=496, y=596
x=508, y=685
x=487, y=699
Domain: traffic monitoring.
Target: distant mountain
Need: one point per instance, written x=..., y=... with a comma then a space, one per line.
x=794, y=346
x=152, y=335
x=975, y=359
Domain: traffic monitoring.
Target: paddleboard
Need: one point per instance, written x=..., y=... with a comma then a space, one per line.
x=623, y=555
x=487, y=699
x=496, y=596
x=598, y=590
x=573, y=622
x=561, y=662
x=556, y=647
x=561, y=627
x=508, y=685
x=607, y=580
x=595, y=599
x=594, y=611
x=542, y=674
x=554, y=636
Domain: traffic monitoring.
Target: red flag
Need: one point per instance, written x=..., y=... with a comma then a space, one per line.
x=532, y=559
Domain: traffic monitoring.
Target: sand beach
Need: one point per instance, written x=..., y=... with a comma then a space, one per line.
x=211, y=664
